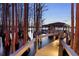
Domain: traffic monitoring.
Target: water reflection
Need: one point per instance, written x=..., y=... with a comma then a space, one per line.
x=1, y=47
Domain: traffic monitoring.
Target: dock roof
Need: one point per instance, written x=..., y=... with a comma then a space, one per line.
x=57, y=24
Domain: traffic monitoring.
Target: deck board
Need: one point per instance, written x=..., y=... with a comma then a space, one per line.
x=49, y=50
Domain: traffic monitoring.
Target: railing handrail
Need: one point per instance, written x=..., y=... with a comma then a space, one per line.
x=46, y=35
x=24, y=48
x=69, y=50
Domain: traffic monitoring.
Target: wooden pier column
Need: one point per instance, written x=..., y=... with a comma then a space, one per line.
x=49, y=29
x=72, y=24
x=25, y=23
x=76, y=40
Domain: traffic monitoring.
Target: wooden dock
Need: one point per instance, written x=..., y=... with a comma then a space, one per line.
x=49, y=50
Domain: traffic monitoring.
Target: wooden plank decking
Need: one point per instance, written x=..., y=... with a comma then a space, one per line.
x=49, y=50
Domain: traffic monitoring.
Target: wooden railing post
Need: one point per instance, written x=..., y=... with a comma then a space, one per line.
x=60, y=47
x=40, y=42
x=37, y=43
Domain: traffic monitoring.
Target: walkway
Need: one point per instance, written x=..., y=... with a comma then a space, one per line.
x=49, y=50
x=45, y=41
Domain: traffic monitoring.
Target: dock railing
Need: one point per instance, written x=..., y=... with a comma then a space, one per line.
x=62, y=46
x=24, y=48
x=67, y=48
